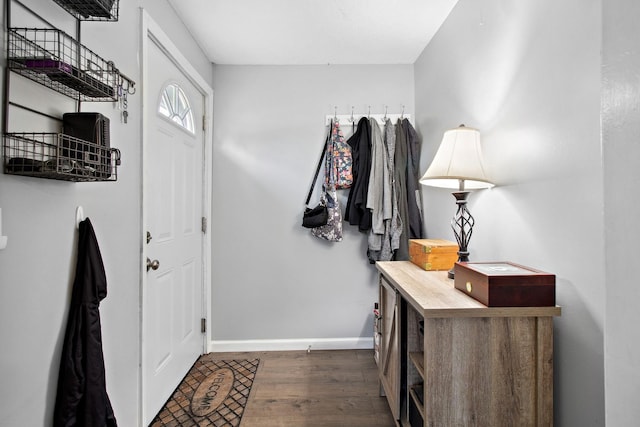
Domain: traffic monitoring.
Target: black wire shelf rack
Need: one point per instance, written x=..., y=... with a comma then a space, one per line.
x=59, y=156
x=91, y=10
x=56, y=60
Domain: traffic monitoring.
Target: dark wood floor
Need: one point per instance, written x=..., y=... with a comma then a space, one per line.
x=320, y=388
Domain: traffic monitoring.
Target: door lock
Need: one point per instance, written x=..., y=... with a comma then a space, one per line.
x=148, y=237
x=152, y=265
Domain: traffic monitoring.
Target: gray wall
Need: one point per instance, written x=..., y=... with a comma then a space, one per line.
x=527, y=75
x=620, y=136
x=36, y=269
x=272, y=280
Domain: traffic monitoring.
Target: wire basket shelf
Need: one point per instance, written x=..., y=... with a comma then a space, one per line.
x=59, y=156
x=91, y=10
x=54, y=59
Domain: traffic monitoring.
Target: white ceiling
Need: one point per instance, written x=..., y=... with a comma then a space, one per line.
x=305, y=32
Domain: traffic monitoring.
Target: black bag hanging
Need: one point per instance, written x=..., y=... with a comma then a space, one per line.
x=318, y=215
x=315, y=217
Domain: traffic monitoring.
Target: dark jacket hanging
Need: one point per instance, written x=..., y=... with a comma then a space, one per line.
x=400, y=173
x=356, y=212
x=82, y=398
x=414, y=201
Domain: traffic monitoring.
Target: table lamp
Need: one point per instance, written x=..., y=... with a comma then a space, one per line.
x=458, y=165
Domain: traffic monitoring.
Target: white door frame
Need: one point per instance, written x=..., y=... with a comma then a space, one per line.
x=151, y=30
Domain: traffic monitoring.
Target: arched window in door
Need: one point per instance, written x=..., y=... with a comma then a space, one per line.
x=174, y=105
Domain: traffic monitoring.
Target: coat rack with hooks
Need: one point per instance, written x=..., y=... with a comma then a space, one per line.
x=347, y=119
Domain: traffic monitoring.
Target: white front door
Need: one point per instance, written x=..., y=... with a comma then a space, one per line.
x=173, y=209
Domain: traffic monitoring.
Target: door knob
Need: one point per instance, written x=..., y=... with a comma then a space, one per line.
x=152, y=265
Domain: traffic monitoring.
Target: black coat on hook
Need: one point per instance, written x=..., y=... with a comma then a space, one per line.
x=82, y=398
x=356, y=212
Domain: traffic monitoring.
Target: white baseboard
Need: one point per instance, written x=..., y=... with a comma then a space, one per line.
x=357, y=343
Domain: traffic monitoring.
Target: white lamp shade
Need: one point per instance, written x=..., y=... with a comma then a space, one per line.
x=459, y=157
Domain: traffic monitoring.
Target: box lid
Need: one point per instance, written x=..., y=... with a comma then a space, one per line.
x=504, y=269
x=439, y=245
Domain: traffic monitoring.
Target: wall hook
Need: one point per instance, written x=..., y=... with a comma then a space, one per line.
x=3, y=239
x=79, y=216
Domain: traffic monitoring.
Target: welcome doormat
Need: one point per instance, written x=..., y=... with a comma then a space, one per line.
x=214, y=393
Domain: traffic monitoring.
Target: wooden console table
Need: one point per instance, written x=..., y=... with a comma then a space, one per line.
x=445, y=359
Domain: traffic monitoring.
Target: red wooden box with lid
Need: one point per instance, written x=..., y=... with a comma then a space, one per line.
x=505, y=284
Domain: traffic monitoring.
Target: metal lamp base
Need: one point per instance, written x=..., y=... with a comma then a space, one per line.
x=462, y=225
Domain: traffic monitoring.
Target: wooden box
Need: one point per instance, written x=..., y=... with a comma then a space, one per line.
x=505, y=284
x=433, y=254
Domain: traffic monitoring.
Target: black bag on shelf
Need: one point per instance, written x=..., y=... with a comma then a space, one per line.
x=94, y=128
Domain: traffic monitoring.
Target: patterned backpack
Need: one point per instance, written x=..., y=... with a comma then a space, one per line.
x=342, y=161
